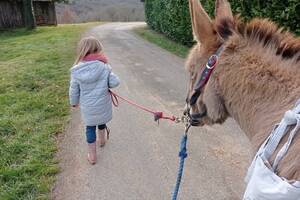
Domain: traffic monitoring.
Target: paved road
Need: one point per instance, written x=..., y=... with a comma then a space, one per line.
x=140, y=161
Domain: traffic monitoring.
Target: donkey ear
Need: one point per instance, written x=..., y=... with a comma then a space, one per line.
x=201, y=23
x=223, y=9
x=223, y=18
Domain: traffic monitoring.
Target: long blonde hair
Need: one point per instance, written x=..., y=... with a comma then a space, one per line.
x=87, y=46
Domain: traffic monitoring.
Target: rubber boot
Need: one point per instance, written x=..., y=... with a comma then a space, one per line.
x=101, y=138
x=92, y=155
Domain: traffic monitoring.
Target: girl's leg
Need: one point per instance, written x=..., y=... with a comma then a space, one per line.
x=101, y=135
x=91, y=140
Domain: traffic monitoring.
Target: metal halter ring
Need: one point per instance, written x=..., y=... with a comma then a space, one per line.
x=212, y=61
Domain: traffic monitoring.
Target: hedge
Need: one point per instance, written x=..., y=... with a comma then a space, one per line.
x=171, y=17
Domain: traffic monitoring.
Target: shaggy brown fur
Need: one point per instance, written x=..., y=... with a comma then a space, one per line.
x=256, y=80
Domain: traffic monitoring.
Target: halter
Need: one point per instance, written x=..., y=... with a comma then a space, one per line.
x=200, y=84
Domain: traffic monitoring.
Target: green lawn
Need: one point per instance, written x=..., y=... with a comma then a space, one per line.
x=33, y=106
x=162, y=41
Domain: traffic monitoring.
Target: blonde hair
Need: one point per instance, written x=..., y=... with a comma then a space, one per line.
x=87, y=46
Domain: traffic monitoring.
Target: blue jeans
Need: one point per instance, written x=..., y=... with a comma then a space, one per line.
x=91, y=133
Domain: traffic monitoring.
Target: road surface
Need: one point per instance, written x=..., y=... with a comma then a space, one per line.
x=140, y=160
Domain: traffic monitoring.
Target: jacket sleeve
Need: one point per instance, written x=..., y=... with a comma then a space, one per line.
x=113, y=80
x=74, y=91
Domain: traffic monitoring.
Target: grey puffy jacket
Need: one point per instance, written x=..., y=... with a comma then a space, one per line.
x=89, y=86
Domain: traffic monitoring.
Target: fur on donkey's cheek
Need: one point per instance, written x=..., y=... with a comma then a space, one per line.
x=215, y=108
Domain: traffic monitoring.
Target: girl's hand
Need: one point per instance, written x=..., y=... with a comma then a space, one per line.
x=75, y=106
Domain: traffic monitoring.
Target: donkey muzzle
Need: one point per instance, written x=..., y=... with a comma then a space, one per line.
x=194, y=118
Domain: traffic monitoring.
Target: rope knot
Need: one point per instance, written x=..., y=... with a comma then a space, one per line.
x=290, y=117
x=182, y=153
x=158, y=116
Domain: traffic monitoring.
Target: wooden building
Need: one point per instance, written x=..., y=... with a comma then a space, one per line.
x=11, y=13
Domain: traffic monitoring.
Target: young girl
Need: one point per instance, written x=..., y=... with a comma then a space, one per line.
x=91, y=78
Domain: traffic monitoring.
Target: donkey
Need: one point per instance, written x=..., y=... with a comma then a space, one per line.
x=256, y=80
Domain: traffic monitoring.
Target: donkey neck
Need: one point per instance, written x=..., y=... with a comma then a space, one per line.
x=256, y=91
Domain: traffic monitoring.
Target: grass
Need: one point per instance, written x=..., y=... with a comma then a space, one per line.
x=34, y=108
x=162, y=41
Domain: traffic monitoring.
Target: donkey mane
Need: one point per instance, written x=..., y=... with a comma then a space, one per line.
x=264, y=32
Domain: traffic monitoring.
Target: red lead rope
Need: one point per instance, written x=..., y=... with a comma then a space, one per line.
x=157, y=115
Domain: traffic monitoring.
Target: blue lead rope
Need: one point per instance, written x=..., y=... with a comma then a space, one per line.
x=182, y=155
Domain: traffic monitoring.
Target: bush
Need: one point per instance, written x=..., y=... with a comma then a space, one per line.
x=172, y=18
x=284, y=12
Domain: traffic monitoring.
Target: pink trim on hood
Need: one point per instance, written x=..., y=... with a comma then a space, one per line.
x=95, y=56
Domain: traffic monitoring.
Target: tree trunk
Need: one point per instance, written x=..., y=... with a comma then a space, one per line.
x=28, y=14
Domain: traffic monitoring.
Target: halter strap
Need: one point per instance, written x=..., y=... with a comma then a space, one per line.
x=205, y=75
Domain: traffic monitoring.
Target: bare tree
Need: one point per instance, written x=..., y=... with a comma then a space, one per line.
x=104, y=10
x=68, y=16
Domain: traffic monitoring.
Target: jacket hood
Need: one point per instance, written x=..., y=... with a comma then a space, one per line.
x=88, y=72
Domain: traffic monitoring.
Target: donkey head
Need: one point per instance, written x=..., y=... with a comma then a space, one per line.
x=210, y=35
